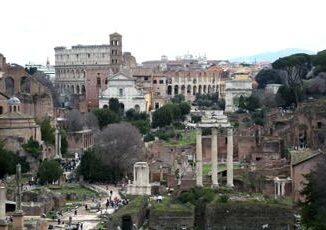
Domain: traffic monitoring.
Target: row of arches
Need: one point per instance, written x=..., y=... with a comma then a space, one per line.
x=70, y=73
x=24, y=85
x=72, y=89
x=191, y=90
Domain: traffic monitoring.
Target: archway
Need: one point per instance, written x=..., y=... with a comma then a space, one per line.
x=204, y=89
x=209, y=89
x=199, y=89
x=176, y=90
x=77, y=89
x=137, y=108
x=169, y=92
x=10, y=86
x=83, y=90
x=121, y=108
x=194, y=90
x=25, y=85
x=189, y=89
x=183, y=89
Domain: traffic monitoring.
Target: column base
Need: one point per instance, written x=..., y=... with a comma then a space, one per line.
x=3, y=225
x=230, y=185
x=215, y=186
x=18, y=220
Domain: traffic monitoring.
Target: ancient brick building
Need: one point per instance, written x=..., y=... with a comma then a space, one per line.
x=84, y=69
x=35, y=95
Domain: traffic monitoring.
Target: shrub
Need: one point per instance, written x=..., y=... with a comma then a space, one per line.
x=149, y=137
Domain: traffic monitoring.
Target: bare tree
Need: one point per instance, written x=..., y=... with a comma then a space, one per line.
x=75, y=120
x=121, y=146
x=91, y=121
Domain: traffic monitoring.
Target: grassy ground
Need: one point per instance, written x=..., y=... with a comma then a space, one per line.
x=80, y=191
x=186, y=138
x=168, y=204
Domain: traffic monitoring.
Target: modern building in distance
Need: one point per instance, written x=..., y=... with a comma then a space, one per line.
x=83, y=70
x=48, y=70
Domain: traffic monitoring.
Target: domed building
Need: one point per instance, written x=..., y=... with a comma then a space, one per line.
x=15, y=124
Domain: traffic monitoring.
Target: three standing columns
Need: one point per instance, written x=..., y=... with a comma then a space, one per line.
x=214, y=157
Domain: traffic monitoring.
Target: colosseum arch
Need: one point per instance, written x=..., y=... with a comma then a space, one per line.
x=77, y=89
x=169, y=91
x=25, y=85
x=194, y=90
x=200, y=89
x=10, y=86
x=183, y=89
x=176, y=89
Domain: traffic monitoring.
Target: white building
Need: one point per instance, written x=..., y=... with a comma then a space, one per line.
x=234, y=89
x=123, y=87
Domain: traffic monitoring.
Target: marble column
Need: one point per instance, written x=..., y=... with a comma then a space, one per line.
x=214, y=156
x=18, y=216
x=229, y=159
x=3, y=222
x=199, y=158
x=57, y=144
x=283, y=188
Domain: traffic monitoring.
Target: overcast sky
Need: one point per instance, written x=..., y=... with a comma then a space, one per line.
x=221, y=29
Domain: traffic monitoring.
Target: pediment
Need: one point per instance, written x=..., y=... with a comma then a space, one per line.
x=121, y=76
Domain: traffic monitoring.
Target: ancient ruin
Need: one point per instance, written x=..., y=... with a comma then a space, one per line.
x=216, y=121
x=140, y=185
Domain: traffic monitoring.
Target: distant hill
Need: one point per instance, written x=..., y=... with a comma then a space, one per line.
x=270, y=56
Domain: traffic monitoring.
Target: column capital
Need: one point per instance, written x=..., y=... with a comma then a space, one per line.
x=230, y=131
x=198, y=130
x=214, y=131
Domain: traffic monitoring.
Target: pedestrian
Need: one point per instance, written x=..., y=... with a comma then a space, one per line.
x=75, y=212
x=81, y=225
x=85, y=206
x=59, y=221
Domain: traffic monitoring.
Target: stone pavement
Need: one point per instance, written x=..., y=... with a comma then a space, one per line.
x=89, y=219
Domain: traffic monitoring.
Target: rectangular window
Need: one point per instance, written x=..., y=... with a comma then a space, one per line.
x=157, y=105
x=120, y=92
x=154, y=81
x=161, y=82
x=146, y=78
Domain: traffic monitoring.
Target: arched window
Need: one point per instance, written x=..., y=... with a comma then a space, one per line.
x=137, y=108
x=169, y=92
x=10, y=86
x=25, y=85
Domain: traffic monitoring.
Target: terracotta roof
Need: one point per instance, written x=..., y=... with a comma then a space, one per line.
x=297, y=157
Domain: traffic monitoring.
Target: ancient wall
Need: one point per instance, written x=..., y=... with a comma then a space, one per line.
x=247, y=216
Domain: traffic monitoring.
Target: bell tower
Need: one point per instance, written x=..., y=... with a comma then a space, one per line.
x=116, y=52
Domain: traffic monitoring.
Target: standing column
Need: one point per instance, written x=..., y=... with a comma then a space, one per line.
x=229, y=159
x=18, y=216
x=3, y=222
x=57, y=144
x=283, y=188
x=199, y=158
x=214, y=156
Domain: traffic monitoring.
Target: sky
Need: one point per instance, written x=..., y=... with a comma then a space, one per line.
x=221, y=29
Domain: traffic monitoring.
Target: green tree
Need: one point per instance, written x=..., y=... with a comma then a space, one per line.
x=105, y=117
x=287, y=96
x=142, y=125
x=47, y=132
x=32, y=147
x=64, y=141
x=8, y=162
x=184, y=108
x=114, y=105
x=50, y=171
x=162, y=117
x=313, y=208
x=178, y=98
x=268, y=76
x=296, y=67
